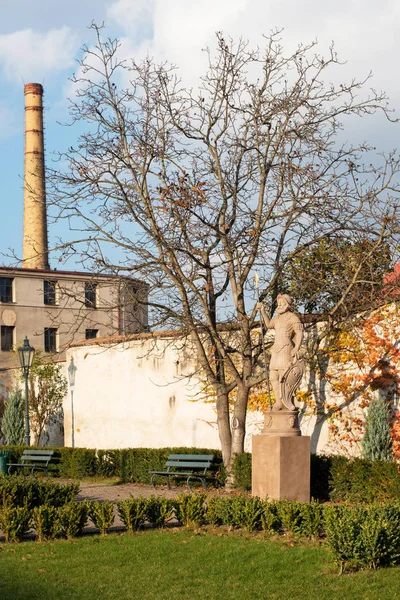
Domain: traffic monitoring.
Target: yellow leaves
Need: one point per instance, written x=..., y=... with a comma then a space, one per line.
x=260, y=401
x=305, y=397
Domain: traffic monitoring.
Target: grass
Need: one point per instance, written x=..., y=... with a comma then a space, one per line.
x=174, y=564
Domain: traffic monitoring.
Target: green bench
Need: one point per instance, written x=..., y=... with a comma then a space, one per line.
x=33, y=460
x=189, y=466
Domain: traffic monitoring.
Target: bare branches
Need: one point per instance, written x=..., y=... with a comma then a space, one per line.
x=197, y=188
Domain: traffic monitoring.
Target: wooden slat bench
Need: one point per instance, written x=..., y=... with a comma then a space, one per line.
x=190, y=466
x=33, y=460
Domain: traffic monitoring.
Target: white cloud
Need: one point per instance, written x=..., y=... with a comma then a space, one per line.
x=31, y=55
x=364, y=31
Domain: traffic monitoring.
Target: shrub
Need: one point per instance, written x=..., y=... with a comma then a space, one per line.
x=77, y=463
x=241, y=470
x=312, y=520
x=19, y=491
x=377, y=442
x=270, y=520
x=320, y=477
x=102, y=515
x=12, y=424
x=238, y=511
x=15, y=522
x=159, y=510
x=46, y=522
x=359, y=480
x=132, y=512
x=342, y=526
x=73, y=517
x=190, y=509
x=290, y=516
x=32, y=492
x=55, y=494
x=213, y=510
x=380, y=536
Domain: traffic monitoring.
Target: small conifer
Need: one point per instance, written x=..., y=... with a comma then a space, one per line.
x=377, y=443
x=13, y=419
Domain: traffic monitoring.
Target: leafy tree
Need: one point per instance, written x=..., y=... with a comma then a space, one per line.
x=318, y=277
x=198, y=188
x=377, y=442
x=12, y=425
x=47, y=388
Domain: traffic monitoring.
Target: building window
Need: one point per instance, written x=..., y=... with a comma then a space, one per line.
x=50, y=339
x=90, y=334
x=7, y=338
x=90, y=295
x=6, y=292
x=49, y=292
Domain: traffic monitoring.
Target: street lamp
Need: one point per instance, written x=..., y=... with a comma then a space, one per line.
x=26, y=354
x=71, y=378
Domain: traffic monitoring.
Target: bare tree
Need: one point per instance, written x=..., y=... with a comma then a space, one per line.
x=197, y=189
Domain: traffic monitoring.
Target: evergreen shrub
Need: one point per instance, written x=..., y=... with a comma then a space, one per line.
x=377, y=442
x=32, y=492
x=46, y=522
x=73, y=518
x=15, y=521
x=159, y=510
x=102, y=515
x=363, y=536
x=190, y=509
x=360, y=480
x=12, y=424
x=132, y=512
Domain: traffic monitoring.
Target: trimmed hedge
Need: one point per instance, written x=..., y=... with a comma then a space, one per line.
x=334, y=478
x=131, y=465
x=338, y=478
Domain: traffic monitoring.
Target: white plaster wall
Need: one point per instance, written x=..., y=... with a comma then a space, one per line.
x=132, y=395
x=135, y=394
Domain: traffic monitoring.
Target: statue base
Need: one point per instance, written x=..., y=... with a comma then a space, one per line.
x=281, y=422
x=281, y=459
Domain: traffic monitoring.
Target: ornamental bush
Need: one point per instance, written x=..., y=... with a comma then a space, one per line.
x=377, y=442
x=132, y=512
x=32, y=492
x=12, y=424
x=15, y=521
x=46, y=522
x=102, y=515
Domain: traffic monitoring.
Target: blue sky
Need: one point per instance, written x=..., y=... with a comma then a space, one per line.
x=40, y=42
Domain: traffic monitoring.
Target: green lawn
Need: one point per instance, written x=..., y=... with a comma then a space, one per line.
x=177, y=564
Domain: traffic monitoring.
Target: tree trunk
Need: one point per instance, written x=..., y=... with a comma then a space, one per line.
x=238, y=432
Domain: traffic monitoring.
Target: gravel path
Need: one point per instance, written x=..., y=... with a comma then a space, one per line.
x=121, y=491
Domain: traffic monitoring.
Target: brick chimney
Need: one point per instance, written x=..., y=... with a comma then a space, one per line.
x=35, y=251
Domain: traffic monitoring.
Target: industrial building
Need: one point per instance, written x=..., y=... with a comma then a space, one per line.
x=53, y=308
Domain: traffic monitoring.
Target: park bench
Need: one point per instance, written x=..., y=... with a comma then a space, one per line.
x=33, y=460
x=189, y=466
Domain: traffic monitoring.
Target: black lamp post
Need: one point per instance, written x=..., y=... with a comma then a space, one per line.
x=71, y=378
x=26, y=354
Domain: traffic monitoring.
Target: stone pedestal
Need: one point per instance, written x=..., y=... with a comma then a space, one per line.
x=281, y=459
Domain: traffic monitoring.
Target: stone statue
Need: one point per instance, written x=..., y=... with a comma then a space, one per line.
x=286, y=369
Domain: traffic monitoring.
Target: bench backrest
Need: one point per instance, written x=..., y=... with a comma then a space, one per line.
x=190, y=461
x=43, y=456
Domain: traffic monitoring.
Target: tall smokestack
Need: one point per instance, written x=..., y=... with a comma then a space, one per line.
x=35, y=254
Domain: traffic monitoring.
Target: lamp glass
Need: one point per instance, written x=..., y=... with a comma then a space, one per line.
x=26, y=354
x=71, y=373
